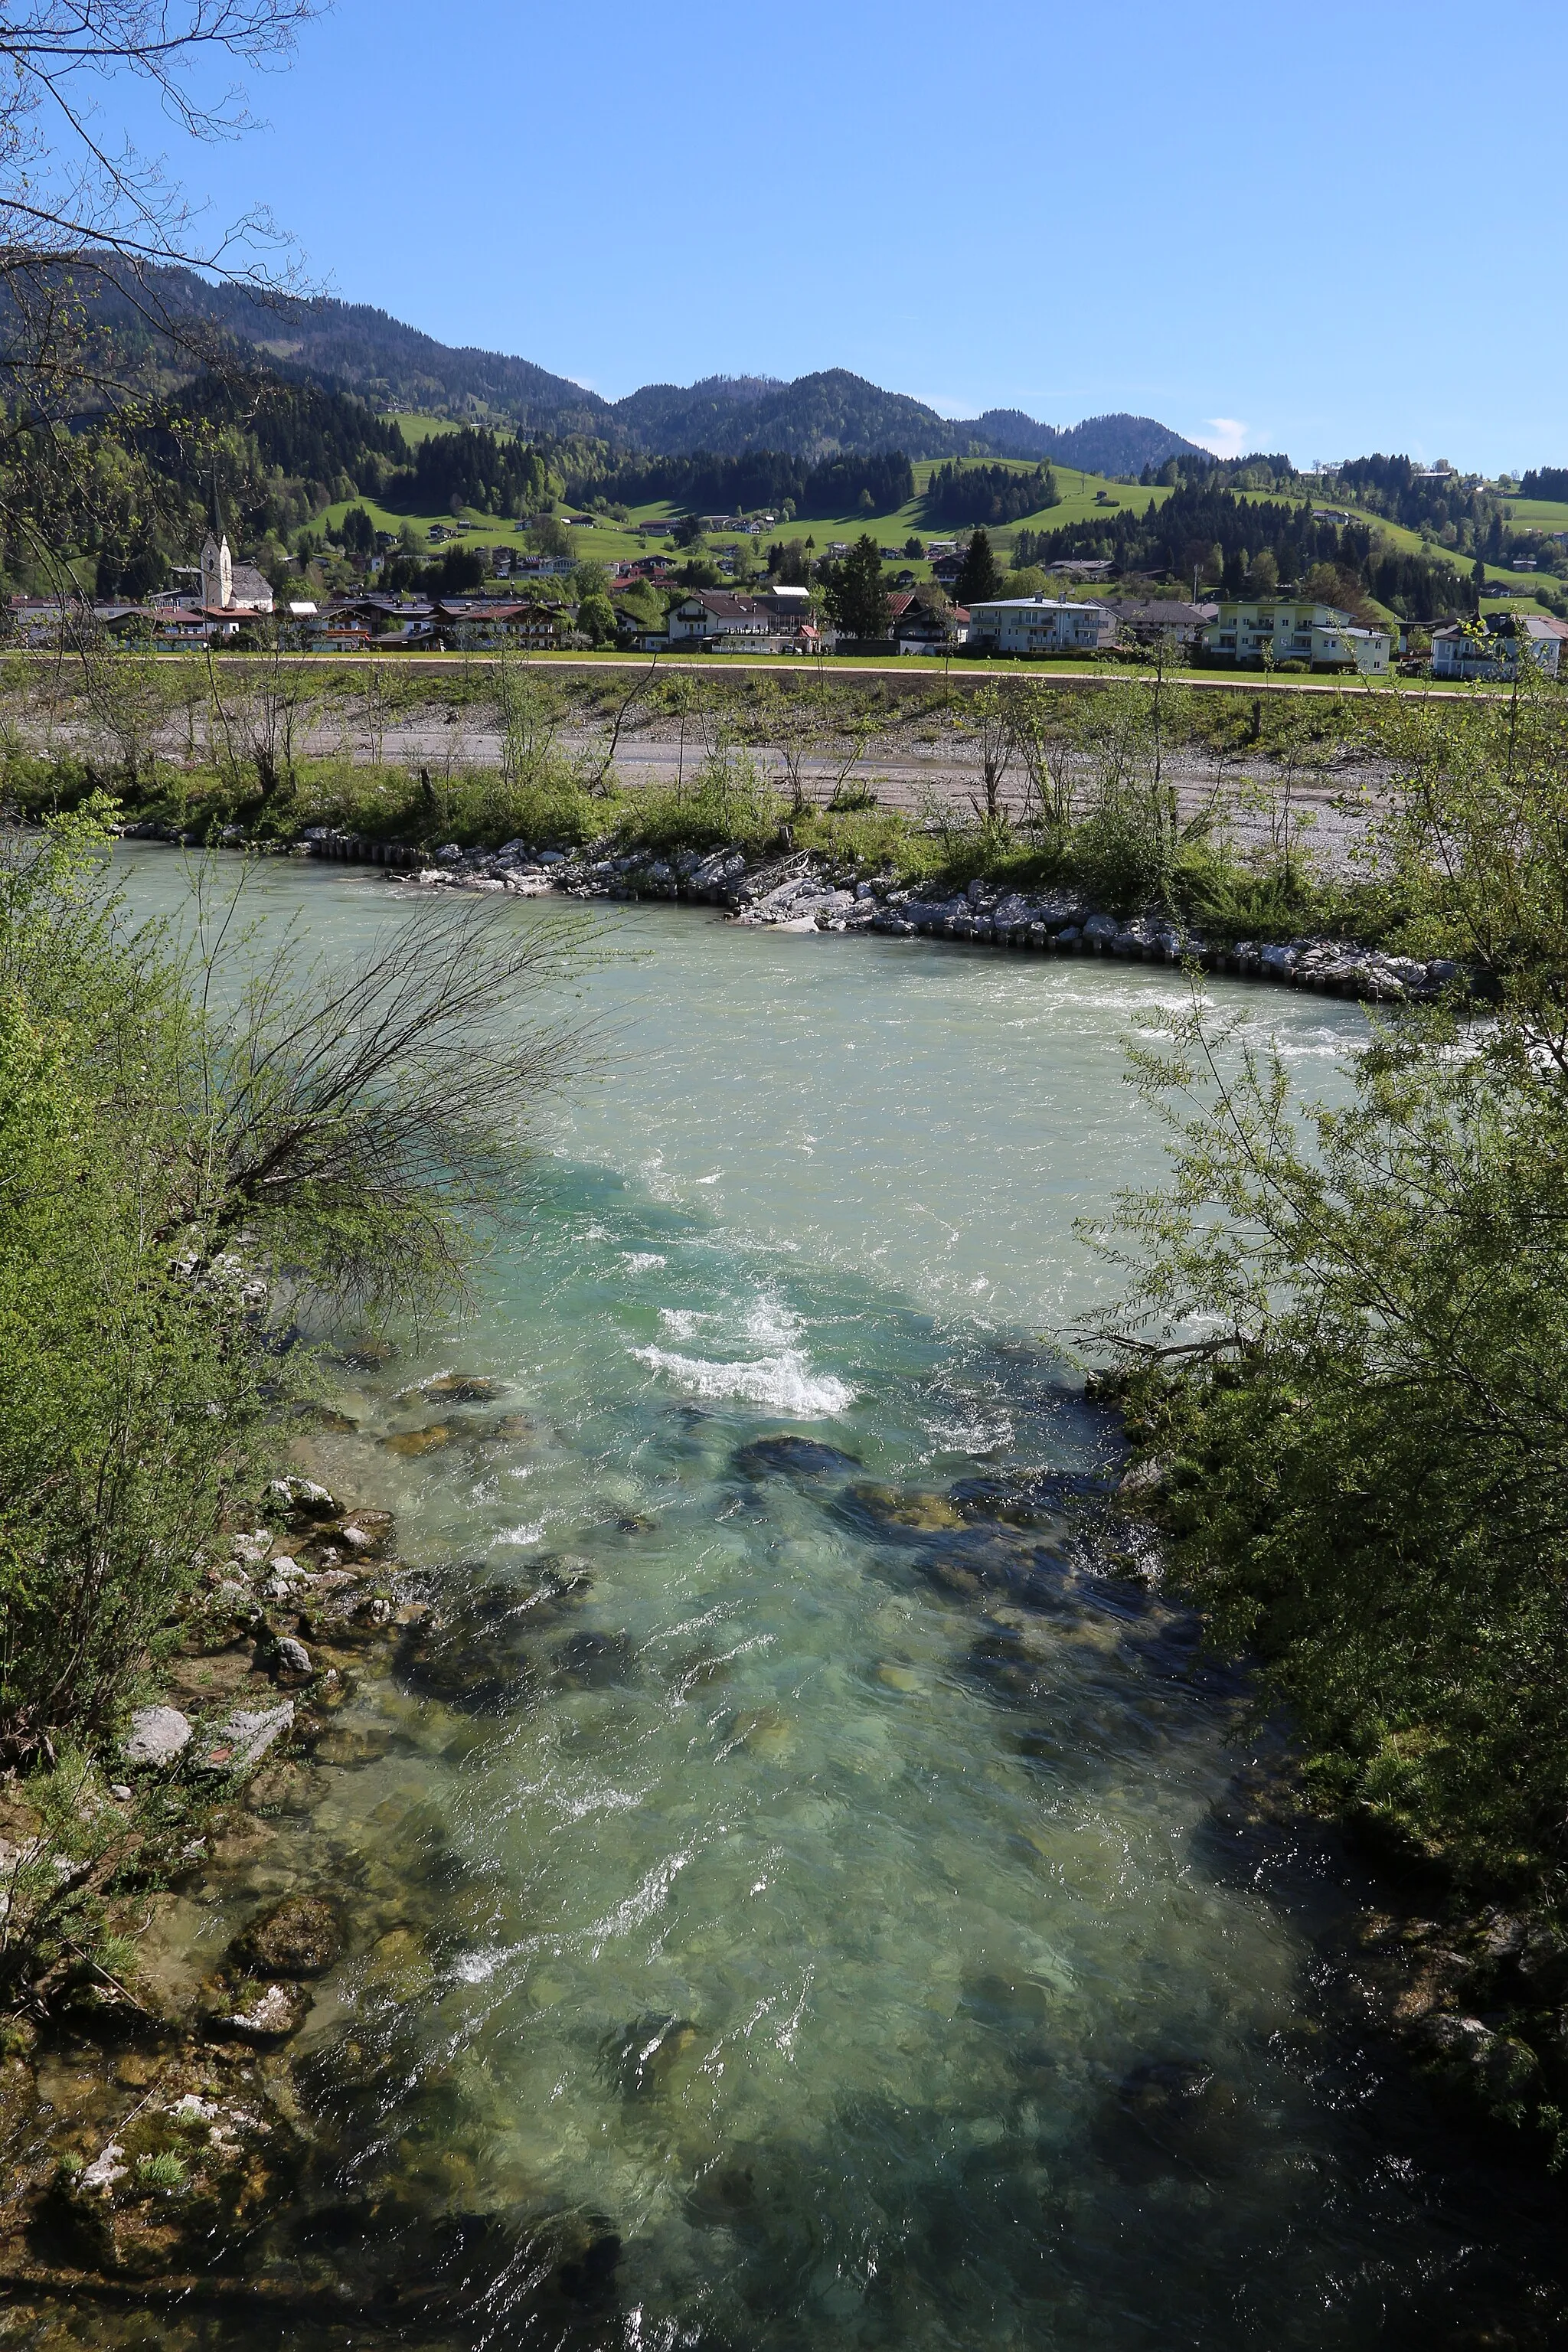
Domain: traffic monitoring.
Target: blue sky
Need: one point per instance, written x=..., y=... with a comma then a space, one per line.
x=1322, y=233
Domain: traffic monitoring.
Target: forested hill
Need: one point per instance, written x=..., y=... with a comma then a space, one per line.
x=348, y=346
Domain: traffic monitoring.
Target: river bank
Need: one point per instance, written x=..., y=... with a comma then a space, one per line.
x=805, y=890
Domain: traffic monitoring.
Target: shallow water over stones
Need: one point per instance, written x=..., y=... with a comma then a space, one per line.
x=794, y=1888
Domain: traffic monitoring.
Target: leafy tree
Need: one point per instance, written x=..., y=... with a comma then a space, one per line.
x=859, y=599
x=596, y=619
x=455, y=571
x=1344, y=1337
x=980, y=576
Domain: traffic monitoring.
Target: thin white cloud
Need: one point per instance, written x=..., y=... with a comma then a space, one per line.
x=1225, y=436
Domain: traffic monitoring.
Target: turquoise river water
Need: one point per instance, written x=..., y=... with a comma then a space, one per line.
x=846, y=1906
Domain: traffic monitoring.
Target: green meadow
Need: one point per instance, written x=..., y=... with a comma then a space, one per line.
x=1083, y=496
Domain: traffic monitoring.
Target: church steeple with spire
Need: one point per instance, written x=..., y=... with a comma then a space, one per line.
x=217, y=563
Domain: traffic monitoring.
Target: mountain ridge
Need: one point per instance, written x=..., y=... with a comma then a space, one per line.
x=357, y=347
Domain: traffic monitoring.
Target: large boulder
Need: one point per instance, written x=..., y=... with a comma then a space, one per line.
x=300, y=1936
x=158, y=1735
x=180, y=2183
x=239, y=1742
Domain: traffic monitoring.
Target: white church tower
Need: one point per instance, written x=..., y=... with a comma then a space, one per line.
x=218, y=571
x=217, y=563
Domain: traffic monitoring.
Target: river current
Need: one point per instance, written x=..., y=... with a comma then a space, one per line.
x=850, y=1910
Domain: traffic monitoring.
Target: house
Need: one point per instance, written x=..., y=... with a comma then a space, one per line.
x=1038, y=624
x=1493, y=648
x=1283, y=629
x=1162, y=616
x=388, y=620
x=790, y=605
x=712, y=616
x=918, y=629
x=476, y=623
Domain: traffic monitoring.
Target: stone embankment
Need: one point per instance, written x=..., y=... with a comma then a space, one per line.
x=803, y=892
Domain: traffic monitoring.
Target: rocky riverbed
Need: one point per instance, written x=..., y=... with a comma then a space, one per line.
x=204, y=2140
x=802, y=891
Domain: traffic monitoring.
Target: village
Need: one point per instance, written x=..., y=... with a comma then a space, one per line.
x=231, y=605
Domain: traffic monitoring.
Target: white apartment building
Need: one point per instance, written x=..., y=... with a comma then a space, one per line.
x=1317, y=634
x=1039, y=625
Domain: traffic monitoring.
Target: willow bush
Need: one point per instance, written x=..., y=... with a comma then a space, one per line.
x=1345, y=1333
x=200, y=1130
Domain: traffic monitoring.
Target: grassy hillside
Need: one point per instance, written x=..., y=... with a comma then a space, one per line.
x=1083, y=495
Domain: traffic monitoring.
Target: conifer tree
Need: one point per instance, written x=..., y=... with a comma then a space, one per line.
x=980, y=576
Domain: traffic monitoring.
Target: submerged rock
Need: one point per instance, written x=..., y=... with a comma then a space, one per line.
x=410, y=1442
x=459, y=1387
x=300, y=1936
x=511, y=1429
x=641, y=2057
x=911, y=1514
x=475, y=1654
x=805, y=1457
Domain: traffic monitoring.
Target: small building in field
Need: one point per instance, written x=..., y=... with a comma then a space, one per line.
x=1273, y=630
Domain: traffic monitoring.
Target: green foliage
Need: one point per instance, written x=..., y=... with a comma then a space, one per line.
x=173, y=1179
x=730, y=801
x=993, y=495
x=858, y=599
x=1346, y=1338
x=981, y=574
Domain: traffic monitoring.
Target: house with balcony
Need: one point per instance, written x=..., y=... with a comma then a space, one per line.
x=713, y=616
x=1038, y=624
x=921, y=628
x=1273, y=630
x=1496, y=647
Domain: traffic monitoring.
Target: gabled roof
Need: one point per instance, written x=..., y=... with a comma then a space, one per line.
x=725, y=607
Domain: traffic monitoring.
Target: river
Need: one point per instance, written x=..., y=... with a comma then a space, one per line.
x=849, y=1909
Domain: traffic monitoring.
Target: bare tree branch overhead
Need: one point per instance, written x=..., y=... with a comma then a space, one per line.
x=90, y=226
